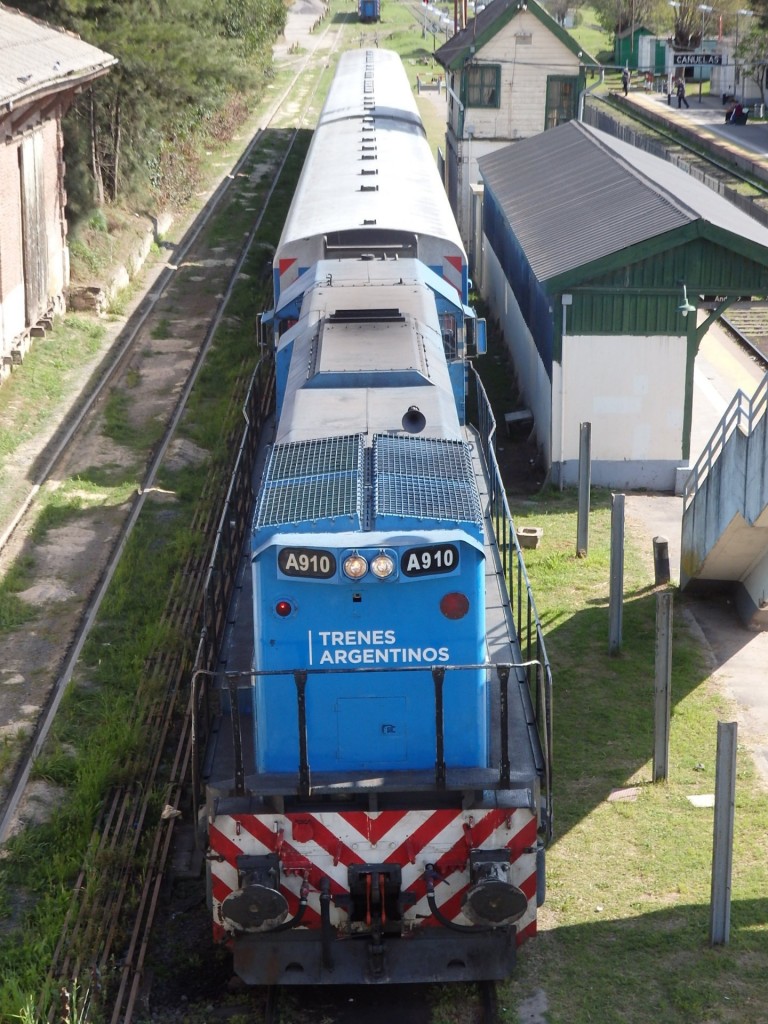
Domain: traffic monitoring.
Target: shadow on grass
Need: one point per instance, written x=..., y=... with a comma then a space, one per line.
x=653, y=968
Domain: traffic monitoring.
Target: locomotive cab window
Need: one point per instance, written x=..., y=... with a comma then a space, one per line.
x=448, y=330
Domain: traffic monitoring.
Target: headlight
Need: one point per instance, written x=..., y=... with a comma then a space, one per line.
x=382, y=566
x=355, y=566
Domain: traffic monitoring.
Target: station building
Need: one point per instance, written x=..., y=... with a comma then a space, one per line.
x=595, y=258
x=510, y=74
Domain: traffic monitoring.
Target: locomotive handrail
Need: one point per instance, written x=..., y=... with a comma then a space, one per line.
x=530, y=635
x=301, y=677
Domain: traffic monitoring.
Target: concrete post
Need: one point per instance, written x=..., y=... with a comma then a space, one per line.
x=662, y=693
x=661, y=559
x=616, y=593
x=585, y=477
x=722, y=846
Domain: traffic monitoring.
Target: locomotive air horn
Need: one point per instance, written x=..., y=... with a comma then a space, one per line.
x=414, y=420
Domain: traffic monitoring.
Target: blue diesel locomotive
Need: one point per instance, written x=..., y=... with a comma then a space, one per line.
x=390, y=821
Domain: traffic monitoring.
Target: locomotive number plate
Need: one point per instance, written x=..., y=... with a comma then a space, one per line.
x=313, y=563
x=428, y=561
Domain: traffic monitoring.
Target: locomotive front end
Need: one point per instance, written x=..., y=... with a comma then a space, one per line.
x=381, y=847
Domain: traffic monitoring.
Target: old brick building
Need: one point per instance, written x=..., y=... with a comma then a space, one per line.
x=41, y=70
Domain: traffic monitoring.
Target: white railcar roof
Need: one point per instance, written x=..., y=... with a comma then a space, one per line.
x=370, y=168
x=384, y=84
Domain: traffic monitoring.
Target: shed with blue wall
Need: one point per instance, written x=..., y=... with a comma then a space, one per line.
x=589, y=247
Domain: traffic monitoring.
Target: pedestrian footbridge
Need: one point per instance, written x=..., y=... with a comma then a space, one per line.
x=724, y=544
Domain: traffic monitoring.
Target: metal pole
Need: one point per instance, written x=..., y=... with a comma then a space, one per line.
x=662, y=693
x=722, y=846
x=585, y=477
x=616, y=597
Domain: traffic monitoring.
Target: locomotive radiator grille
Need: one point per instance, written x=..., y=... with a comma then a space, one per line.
x=425, y=478
x=309, y=480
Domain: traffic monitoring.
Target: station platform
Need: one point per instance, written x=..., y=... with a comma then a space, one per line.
x=745, y=145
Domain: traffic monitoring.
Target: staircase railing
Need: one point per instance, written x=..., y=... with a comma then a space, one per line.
x=743, y=414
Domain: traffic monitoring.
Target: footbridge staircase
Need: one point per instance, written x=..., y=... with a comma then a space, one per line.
x=724, y=544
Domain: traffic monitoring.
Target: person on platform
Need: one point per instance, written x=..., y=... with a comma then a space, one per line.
x=734, y=114
x=625, y=80
x=681, y=94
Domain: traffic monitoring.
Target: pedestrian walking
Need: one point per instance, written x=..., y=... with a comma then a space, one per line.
x=625, y=80
x=681, y=94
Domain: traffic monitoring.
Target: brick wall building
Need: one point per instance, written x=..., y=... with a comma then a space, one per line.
x=41, y=70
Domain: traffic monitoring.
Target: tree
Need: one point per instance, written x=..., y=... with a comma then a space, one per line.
x=179, y=62
x=752, y=54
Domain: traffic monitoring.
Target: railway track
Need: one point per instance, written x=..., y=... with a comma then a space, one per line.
x=94, y=934
x=748, y=322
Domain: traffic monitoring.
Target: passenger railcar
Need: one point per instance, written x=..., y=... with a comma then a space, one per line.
x=369, y=10
x=383, y=812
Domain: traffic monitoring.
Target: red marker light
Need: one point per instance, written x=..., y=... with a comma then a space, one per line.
x=283, y=608
x=454, y=606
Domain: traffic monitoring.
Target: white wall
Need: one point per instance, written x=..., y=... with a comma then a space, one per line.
x=631, y=390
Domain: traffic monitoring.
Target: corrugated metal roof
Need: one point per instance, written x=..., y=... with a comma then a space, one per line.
x=573, y=195
x=38, y=58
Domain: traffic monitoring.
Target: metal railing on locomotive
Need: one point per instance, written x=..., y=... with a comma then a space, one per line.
x=530, y=636
x=224, y=562
x=301, y=677
x=220, y=580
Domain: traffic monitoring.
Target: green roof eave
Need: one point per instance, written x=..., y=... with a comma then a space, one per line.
x=662, y=243
x=476, y=41
x=738, y=243
x=624, y=257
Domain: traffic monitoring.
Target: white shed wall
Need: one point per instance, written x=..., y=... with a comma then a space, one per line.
x=629, y=389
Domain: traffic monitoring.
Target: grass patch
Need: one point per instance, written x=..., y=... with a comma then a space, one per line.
x=64, y=504
x=121, y=428
x=629, y=882
x=162, y=329
x=589, y=34
x=13, y=611
x=28, y=396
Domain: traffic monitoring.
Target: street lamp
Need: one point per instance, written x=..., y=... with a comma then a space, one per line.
x=705, y=9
